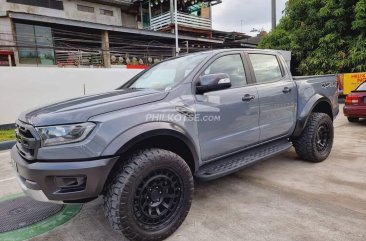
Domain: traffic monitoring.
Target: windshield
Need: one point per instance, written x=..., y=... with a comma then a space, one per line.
x=168, y=73
x=362, y=87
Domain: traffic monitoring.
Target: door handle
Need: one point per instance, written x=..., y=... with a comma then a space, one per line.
x=286, y=90
x=248, y=98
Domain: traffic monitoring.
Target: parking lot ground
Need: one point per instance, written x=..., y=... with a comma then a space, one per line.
x=282, y=198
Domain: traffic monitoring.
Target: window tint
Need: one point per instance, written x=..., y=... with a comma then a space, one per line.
x=231, y=65
x=266, y=67
x=362, y=87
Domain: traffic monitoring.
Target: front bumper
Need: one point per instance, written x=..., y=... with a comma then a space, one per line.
x=73, y=181
x=37, y=195
x=354, y=111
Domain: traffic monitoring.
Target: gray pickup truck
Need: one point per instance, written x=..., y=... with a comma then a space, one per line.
x=203, y=115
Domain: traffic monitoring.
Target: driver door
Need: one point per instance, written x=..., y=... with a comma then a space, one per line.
x=228, y=119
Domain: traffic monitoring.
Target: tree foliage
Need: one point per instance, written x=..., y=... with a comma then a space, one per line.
x=324, y=36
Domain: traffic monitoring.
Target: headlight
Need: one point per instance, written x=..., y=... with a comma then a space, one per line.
x=57, y=135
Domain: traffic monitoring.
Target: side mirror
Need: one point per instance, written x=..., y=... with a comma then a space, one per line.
x=213, y=82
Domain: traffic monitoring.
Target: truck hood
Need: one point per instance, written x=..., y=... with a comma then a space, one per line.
x=81, y=109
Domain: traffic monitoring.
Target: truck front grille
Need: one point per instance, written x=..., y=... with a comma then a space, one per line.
x=28, y=141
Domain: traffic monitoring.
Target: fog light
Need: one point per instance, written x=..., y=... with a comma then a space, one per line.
x=70, y=182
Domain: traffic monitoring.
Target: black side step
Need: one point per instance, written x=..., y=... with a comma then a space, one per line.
x=236, y=162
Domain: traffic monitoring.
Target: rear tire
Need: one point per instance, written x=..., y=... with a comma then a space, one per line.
x=316, y=141
x=150, y=196
x=353, y=119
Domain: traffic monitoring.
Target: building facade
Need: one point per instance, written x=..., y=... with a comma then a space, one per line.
x=102, y=33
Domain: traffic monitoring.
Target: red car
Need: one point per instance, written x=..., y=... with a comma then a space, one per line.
x=355, y=107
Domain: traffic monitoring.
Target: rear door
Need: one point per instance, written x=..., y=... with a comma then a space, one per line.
x=277, y=95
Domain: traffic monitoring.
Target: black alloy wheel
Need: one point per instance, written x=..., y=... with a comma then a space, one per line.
x=323, y=137
x=157, y=198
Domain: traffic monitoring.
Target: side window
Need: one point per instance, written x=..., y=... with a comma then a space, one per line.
x=231, y=65
x=266, y=67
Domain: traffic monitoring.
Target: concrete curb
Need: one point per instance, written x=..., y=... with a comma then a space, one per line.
x=6, y=145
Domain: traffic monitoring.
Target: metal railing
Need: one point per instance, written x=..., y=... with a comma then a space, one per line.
x=78, y=58
x=165, y=20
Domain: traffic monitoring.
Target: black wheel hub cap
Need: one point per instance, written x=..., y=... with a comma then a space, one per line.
x=323, y=137
x=157, y=198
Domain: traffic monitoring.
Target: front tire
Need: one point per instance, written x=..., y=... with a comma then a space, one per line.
x=353, y=119
x=316, y=141
x=150, y=196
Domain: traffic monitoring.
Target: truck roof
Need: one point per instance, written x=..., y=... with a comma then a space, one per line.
x=241, y=49
x=284, y=53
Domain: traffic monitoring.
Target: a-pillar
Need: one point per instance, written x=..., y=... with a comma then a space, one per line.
x=105, y=49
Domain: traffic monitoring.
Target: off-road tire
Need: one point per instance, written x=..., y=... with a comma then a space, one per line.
x=306, y=145
x=124, y=189
x=353, y=119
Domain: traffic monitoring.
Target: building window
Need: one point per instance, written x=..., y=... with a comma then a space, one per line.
x=84, y=8
x=106, y=12
x=35, y=44
x=54, y=4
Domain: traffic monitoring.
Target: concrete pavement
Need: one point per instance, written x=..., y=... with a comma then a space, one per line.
x=8, y=183
x=282, y=198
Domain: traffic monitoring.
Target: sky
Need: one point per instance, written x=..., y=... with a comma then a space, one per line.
x=244, y=15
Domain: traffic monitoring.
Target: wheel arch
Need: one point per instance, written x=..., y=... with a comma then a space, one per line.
x=166, y=136
x=318, y=103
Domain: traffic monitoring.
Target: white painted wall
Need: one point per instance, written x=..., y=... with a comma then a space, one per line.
x=23, y=88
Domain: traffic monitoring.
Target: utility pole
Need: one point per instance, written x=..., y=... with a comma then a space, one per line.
x=274, y=17
x=150, y=15
x=177, y=50
x=142, y=15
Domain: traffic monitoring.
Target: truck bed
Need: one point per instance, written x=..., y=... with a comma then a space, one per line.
x=324, y=85
x=296, y=78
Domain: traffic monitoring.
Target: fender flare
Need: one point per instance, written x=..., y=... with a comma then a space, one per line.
x=135, y=135
x=304, y=116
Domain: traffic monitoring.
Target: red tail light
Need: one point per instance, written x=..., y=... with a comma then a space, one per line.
x=338, y=84
x=352, y=100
